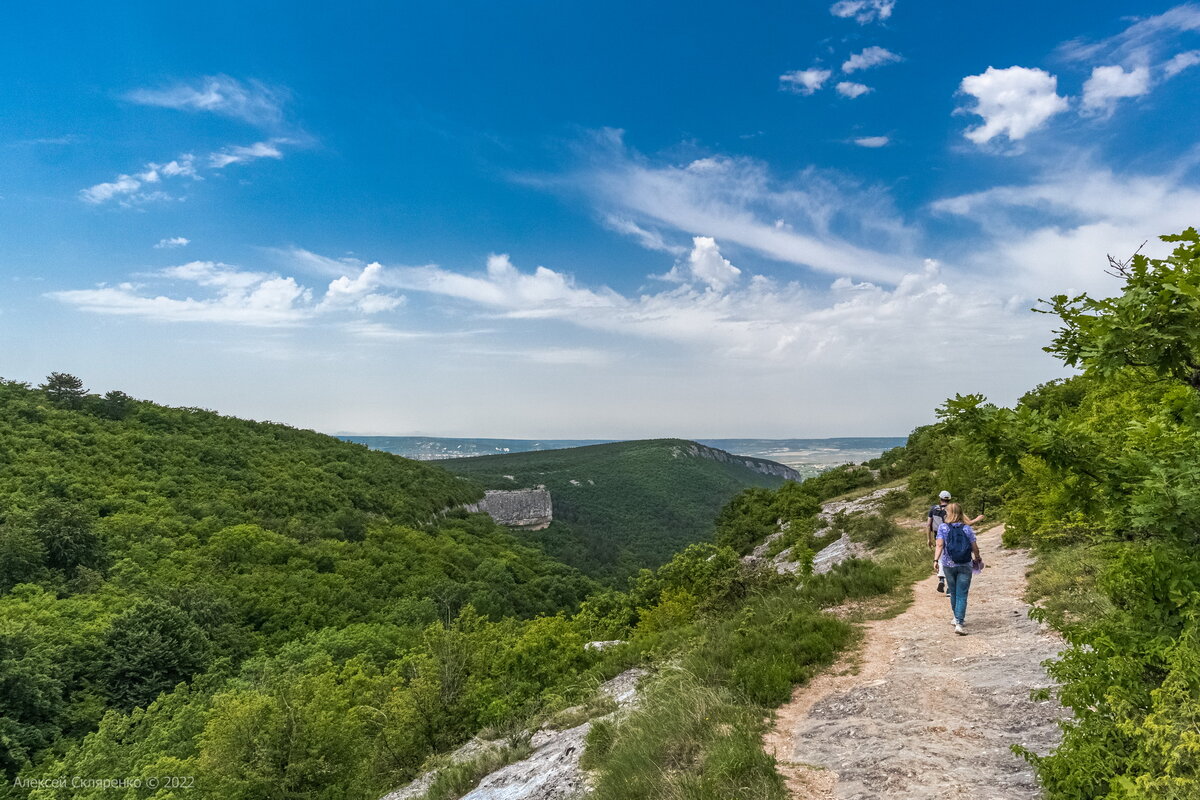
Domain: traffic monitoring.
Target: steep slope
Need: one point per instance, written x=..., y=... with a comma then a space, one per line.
x=627, y=505
x=143, y=546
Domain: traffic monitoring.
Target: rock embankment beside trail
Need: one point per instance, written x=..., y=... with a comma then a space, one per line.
x=550, y=772
x=833, y=553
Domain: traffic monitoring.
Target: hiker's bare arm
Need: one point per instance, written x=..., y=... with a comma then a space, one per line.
x=937, y=554
x=975, y=551
x=975, y=521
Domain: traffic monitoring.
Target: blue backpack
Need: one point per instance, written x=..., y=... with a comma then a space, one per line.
x=958, y=544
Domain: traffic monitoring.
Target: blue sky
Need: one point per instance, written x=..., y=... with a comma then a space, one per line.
x=578, y=220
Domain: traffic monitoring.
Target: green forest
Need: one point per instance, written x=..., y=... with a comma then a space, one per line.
x=623, y=506
x=273, y=613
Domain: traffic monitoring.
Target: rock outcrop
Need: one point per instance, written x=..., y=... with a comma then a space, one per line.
x=832, y=554
x=527, y=509
x=759, y=465
x=550, y=772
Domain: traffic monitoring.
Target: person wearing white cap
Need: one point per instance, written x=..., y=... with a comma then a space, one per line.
x=937, y=515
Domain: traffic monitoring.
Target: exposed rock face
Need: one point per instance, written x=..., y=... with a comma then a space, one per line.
x=528, y=509
x=833, y=553
x=759, y=465
x=551, y=772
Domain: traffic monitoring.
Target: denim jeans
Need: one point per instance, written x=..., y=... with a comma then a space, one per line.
x=958, y=583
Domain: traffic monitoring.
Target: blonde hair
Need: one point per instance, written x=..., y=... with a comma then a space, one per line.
x=954, y=513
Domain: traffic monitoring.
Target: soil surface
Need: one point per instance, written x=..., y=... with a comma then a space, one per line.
x=919, y=712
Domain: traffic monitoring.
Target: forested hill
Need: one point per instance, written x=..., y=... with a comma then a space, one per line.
x=142, y=546
x=624, y=506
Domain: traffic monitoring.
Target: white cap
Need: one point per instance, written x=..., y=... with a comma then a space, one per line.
x=944, y=495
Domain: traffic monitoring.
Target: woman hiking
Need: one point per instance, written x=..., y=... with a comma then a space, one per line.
x=957, y=553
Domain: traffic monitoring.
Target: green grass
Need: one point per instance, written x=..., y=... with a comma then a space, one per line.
x=1063, y=584
x=619, y=507
x=456, y=779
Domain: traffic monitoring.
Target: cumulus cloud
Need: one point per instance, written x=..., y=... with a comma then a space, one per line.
x=234, y=296
x=851, y=89
x=1109, y=84
x=172, y=242
x=250, y=101
x=804, y=81
x=872, y=141
x=1013, y=102
x=705, y=265
x=863, y=11
x=359, y=292
x=869, y=57
x=238, y=154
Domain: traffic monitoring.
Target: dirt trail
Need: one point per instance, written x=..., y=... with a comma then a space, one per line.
x=929, y=714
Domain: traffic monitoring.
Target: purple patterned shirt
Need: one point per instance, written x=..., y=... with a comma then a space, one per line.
x=943, y=530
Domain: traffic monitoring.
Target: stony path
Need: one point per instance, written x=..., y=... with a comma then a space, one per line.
x=929, y=714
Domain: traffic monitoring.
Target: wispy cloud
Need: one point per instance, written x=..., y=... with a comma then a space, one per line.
x=823, y=217
x=1013, y=102
x=239, y=154
x=869, y=57
x=130, y=190
x=872, y=141
x=1141, y=43
x=250, y=101
x=172, y=242
x=863, y=11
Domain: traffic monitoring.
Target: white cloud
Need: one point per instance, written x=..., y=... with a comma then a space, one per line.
x=804, y=81
x=872, y=141
x=705, y=265
x=359, y=292
x=238, y=154
x=869, y=57
x=1014, y=102
x=244, y=298
x=542, y=293
x=1141, y=41
x=851, y=89
x=1080, y=214
x=737, y=201
x=1181, y=61
x=863, y=11
x=649, y=239
x=250, y=101
x=103, y=192
x=1109, y=84
x=172, y=242
x=235, y=296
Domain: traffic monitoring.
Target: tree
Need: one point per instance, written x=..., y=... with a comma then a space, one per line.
x=116, y=405
x=149, y=649
x=64, y=390
x=1154, y=324
x=69, y=540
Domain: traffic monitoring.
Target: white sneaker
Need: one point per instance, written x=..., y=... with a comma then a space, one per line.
x=958, y=628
